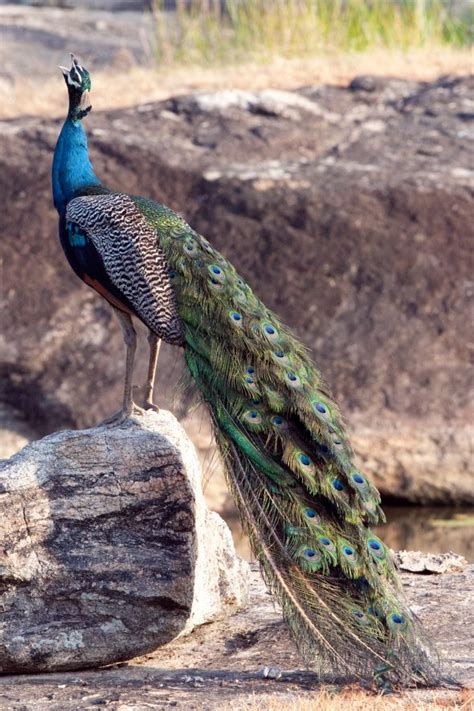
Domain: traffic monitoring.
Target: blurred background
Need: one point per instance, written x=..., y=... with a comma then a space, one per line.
x=325, y=147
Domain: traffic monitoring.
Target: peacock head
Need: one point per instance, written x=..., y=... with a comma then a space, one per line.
x=78, y=84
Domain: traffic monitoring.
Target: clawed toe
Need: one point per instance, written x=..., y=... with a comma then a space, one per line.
x=118, y=418
x=147, y=405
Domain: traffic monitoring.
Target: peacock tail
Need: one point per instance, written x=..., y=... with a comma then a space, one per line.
x=306, y=508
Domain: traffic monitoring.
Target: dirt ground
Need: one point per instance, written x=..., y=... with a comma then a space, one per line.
x=248, y=662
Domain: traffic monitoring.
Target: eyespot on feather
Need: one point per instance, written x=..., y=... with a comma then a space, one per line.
x=310, y=558
x=396, y=622
x=280, y=357
x=279, y=422
x=206, y=246
x=376, y=548
x=216, y=273
x=363, y=619
x=190, y=248
x=252, y=418
x=327, y=544
x=349, y=553
x=320, y=408
x=270, y=331
x=312, y=516
x=236, y=318
x=293, y=380
x=215, y=284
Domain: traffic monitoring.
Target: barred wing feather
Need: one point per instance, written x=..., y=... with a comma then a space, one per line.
x=131, y=257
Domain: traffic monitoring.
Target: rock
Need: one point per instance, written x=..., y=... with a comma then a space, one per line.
x=222, y=665
x=35, y=39
x=108, y=549
x=426, y=465
x=268, y=102
x=416, y=562
x=352, y=222
x=363, y=83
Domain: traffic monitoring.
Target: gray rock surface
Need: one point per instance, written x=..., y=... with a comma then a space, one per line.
x=352, y=220
x=108, y=550
x=417, y=562
x=36, y=39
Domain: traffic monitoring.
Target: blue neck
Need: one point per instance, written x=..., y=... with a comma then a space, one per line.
x=72, y=169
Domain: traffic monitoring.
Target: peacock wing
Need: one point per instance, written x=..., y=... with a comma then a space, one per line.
x=132, y=258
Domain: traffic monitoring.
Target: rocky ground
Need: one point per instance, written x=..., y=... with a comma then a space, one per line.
x=223, y=665
x=348, y=210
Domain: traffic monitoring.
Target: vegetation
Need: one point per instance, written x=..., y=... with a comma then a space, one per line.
x=354, y=699
x=217, y=32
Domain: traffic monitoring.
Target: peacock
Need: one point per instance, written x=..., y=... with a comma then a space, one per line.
x=305, y=506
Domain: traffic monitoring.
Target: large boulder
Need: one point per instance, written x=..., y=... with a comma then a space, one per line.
x=108, y=549
x=347, y=209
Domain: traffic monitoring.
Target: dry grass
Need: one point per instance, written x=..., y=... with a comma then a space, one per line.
x=118, y=89
x=202, y=32
x=356, y=700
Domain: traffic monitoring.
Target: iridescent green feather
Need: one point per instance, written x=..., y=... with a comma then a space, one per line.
x=305, y=506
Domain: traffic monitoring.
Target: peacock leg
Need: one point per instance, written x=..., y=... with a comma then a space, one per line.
x=155, y=344
x=130, y=337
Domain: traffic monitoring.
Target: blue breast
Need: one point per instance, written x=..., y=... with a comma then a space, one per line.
x=76, y=237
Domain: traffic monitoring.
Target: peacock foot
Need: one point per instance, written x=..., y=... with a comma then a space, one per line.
x=122, y=415
x=149, y=405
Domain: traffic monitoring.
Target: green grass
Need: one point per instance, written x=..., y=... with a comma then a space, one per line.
x=201, y=32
